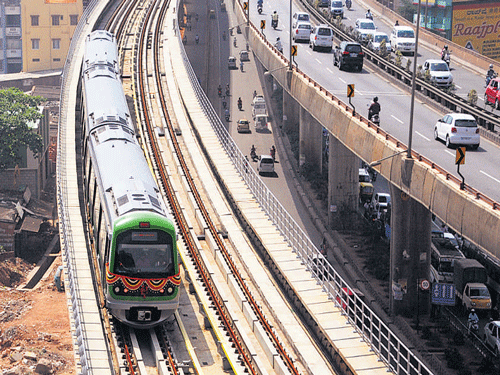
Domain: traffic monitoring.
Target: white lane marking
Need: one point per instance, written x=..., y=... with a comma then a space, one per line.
x=480, y=98
x=342, y=80
x=318, y=61
x=309, y=52
x=493, y=178
x=449, y=152
x=458, y=87
x=331, y=71
x=398, y=120
x=423, y=136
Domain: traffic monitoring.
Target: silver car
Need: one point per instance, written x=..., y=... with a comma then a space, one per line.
x=302, y=31
x=321, y=37
x=492, y=336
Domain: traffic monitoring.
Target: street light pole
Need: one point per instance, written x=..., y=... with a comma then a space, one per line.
x=413, y=83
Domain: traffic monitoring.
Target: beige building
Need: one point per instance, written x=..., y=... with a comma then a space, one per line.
x=47, y=27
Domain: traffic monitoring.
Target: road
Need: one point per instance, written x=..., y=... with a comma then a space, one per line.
x=481, y=169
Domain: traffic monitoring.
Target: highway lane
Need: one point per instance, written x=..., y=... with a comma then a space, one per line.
x=481, y=168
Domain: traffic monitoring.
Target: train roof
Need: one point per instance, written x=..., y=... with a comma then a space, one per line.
x=125, y=175
x=105, y=99
x=100, y=49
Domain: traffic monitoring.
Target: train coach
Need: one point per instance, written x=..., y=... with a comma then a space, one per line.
x=133, y=235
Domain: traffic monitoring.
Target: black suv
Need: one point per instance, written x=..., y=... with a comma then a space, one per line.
x=348, y=54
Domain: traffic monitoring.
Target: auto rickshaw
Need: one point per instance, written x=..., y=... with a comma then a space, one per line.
x=365, y=192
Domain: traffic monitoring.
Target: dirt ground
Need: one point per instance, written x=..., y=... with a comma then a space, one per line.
x=34, y=325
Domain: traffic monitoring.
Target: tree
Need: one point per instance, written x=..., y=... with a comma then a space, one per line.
x=17, y=110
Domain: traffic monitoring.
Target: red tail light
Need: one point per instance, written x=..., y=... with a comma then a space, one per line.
x=361, y=54
x=453, y=129
x=345, y=53
x=477, y=130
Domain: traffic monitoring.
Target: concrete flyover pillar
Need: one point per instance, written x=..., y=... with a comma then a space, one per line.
x=310, y=141
x=343, y=184
x=410, y=255
x=290, y=112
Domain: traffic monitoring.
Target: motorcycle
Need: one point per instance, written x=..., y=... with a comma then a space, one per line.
x=490, y=77
x=227, y=90
x=376, y=119
x=253, y=155
x=234, y=42
x=473, y=327
x=274, y=24
x=227, y=115
x=446, y=58
x=348, y=4
x=279, y=46
x=259, y=9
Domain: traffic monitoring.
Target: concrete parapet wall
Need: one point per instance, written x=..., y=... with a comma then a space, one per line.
x=475, y=219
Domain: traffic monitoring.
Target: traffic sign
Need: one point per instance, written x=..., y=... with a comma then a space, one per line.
x=262, y=24
x=443, y=294
x=245, y=5
x=294, y=50
x=425, y=284
x=460, y=156
x=350, y=90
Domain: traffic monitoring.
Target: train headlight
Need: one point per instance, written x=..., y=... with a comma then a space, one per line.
x=117, y=289
x=170, y=290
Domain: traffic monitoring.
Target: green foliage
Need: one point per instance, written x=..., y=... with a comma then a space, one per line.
x=383, y=48
x=472, y=97
x=408, y=65
x=399, y=57
x=17, y=110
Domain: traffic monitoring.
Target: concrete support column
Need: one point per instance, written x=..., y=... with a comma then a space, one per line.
x=290, y=112
x=410, y=255
x=310, y=141
x=343, y=184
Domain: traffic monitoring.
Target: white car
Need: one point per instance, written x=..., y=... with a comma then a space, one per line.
x=491, y=336
x=458, y=129
x=403, y=39
x=300, y=17
x=439, y=72
x=266, y=164
x=381, y=201
x=321, y=37
x=364, y=29
x=378, y=37
x=302, y=31
x=337, y=8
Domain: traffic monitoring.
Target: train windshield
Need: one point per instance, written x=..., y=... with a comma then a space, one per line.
x=144, y=254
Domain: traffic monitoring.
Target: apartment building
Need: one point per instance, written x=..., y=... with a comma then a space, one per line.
x=47, y=27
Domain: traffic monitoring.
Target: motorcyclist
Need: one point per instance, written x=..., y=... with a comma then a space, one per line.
x=472, y=320
x=273, y=152
x=369, y=15
x=226, y=114
x=278, y=45
x=444, y=51
x=348, y=4
x=240, y=103
x=374, y=108
x=227, y=90
x=253, y=153
x=274, y=18
x=490, y=74
x=219, y=90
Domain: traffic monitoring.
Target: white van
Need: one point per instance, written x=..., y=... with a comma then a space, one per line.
x=403, y=39
x=266, y=164
x=259, y=106
x=261, y=122
x=337, y=8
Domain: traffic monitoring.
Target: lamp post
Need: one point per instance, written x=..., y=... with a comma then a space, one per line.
x=290, y=41
x=413, y=83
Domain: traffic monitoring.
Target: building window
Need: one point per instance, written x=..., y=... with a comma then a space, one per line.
x=73, y=19
x=56, y=60
x=14, y=43
x=34, y=20
x=55, y=19
x=36, y=60
x=12, y=20
x=56, y=43
x=35, y=43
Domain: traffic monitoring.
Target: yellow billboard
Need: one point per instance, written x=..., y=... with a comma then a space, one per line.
x=60, y=1
x=476, y=25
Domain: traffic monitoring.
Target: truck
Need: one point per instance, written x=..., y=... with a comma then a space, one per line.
x=443, y=256
x=259, y=106
x=470, y=278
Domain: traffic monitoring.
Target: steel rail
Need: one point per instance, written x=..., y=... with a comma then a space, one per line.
x=161, y=169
